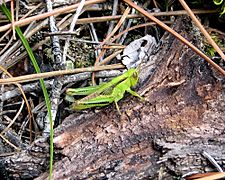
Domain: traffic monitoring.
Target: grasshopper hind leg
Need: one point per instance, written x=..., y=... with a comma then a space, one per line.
x=117, y=107
x=118, y=97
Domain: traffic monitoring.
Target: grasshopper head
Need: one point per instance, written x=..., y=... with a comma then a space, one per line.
x=134, y=76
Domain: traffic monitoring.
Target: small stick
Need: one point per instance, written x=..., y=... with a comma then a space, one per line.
x=178, y=36
x=14, y=119
x=118, y=25
x=114, y=12
x=31, y=117
x=124, y=16
x=33, y=77
x=45, y=15
x=214, y=176
x=213, y=161
x=72, y=25
x=202, y=29
x=12, y=15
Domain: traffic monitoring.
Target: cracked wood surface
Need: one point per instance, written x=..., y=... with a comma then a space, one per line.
x=163, y=136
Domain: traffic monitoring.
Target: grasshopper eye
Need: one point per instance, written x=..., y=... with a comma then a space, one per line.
x=135, y=75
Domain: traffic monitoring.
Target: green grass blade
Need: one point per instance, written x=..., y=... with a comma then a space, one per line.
x=44, y=89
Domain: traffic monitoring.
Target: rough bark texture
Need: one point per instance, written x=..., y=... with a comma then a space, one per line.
x=161, y=137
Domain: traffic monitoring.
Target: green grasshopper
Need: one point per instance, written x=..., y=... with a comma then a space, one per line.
x=106, y=93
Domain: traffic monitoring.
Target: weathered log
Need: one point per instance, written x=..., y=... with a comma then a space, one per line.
x=163, y=136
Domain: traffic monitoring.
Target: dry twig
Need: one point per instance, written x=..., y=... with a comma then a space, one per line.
x=202, y=29
x=178, y=36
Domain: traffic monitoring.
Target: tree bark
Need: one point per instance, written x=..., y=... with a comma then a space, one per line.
x=161, y=137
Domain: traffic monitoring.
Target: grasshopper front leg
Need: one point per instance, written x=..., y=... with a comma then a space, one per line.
x=134, y=94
